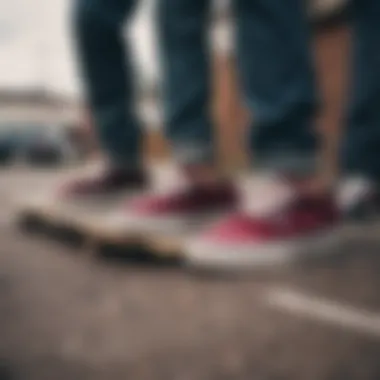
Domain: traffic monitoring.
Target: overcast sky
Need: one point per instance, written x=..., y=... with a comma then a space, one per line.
x=35, y=45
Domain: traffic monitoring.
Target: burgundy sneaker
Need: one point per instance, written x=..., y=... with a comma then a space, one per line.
x=277, y=224
x=108, y=182
x=178, y=210
x=90, y=189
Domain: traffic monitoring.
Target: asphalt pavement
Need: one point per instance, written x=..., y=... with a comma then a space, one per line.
x=67, y=315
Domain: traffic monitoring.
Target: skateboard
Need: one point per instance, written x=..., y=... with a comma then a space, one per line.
x=97, y=227
x=95, y=230
x=110, y=235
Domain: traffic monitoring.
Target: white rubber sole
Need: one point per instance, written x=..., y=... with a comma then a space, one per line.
x=168, y=225
x=203, y=254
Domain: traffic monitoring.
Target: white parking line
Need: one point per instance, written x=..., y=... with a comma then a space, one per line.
x=324, y=310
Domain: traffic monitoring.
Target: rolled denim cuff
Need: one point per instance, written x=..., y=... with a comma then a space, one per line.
x=299, y=164
x=193, y=152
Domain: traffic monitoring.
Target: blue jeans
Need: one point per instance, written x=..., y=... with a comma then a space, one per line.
x=276, y=75
x=108, y=79
x=361, y=145
x=105, y=66
x=278, y=81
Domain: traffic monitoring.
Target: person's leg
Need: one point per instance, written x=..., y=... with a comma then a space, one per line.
x=360, y=191
x=195, y=192
x=105, y=68
x=182, y=26
x=277, y=78
x=361, y=147
x=107, y=78
x=284, y=211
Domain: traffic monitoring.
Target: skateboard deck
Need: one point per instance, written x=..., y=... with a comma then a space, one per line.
x=62, y=218
x=95, y=225
x=50, y=220
x=111, y=232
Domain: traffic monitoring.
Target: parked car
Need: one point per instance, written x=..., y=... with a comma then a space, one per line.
x=7, y=144
x=41, y=144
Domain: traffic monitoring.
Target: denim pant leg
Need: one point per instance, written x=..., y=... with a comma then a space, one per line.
x=183, y=36
x=104, y=63
x=361, y=146
x=277, y=77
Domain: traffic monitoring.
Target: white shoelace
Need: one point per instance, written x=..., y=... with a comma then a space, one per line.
x=352, y=190
x=265, y=195
x=168, y=179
